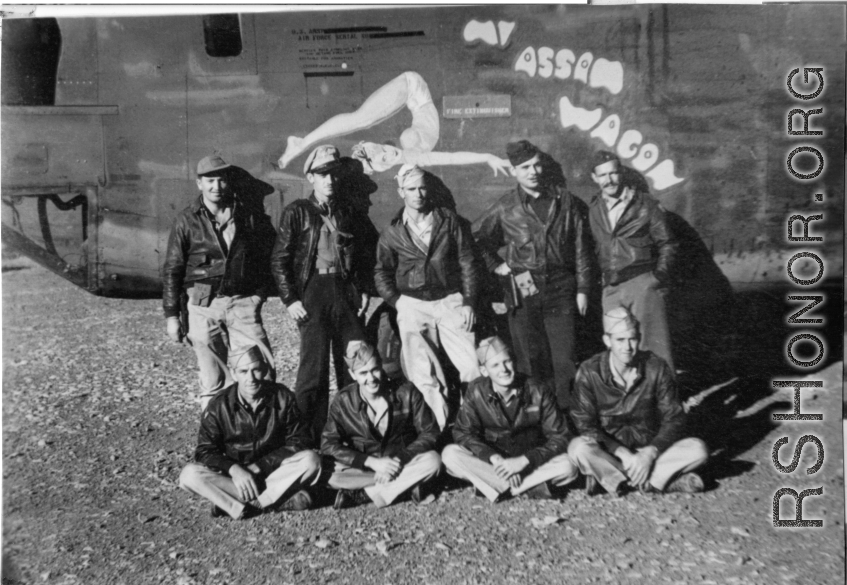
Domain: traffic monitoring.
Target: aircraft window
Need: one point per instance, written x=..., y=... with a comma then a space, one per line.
x=30, y=54
x=223, y=35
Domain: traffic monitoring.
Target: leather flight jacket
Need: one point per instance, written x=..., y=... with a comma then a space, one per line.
x=448, y=266
x=648, y=414
x=231, y=434
x=194, y=255
x=562, y=243
x=539, y=431
x=296, y=248
x=640, y=242
x=350, y=437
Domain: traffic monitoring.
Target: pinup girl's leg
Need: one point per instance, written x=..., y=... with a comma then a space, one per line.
x=378, y=107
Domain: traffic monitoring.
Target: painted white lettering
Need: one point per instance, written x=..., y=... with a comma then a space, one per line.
x=663, y=175
x=505, y=29
x=608, y=130
x=608, y=74
x=582, y=67
x=527, y=62
x=628, y=146
x=648, y=155
x=570, y=115
x=545, y=62
x=481, y=31
x=564, y=63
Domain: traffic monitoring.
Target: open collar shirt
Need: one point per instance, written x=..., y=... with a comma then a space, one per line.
x=615, y=206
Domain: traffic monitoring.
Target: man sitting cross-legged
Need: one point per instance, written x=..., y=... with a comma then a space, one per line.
x=250, y=447
x=630, y=420
x=381, y=435
x=510, y=436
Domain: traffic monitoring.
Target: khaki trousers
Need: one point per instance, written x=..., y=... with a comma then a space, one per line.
x=423, y=327
x=647, y=302
x=303, y=468
x=421, y=468
x=681, y=457
x=228, y=323
x=461, y=463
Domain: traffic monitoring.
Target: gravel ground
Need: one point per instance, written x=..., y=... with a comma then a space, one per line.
x=99, y=417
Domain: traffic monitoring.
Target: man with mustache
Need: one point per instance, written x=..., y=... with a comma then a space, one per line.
x=636, y=250
x=630, y=420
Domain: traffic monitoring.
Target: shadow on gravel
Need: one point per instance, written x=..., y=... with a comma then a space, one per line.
x=10, y=574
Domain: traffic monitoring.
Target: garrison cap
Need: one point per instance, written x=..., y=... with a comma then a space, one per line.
x=521, y=151
x=619, y=319
x=359, y=353
x=489, y=348
x=211, y=164
x=408, y=172
x=245, y=355
x=322, y=159
x=602, y=157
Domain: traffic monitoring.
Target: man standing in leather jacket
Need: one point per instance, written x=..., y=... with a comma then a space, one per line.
x=630, y=420
x=321, y=263
x=636, y=250
x=426, y=269
x=218, y=256
x=380, y=434
x=510, y=436
x=544, y=229
x=251, y=450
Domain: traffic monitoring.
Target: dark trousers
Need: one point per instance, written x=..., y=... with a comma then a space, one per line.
x=543, y=335
x=331, y=304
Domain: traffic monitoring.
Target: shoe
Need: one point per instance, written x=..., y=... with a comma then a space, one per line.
x=350, y=498
x=417, y=494
x=539, y=492
x=592, y=486
x=648, y=488
x=687, y=483
x=249, y=511
x=500, y=497
x=298, y=502
x=217, y=512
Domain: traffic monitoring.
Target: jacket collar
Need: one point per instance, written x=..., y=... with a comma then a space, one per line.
x=606, y=369
x=554, y=191
x=519, y=384
x=437, y=217
x=198, y=203
x=266, y=399
x=358, y=403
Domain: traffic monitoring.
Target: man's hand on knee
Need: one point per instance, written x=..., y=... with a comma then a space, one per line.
x=245, y=483
x=641, y=465
x=385, y=467
x=510, y=468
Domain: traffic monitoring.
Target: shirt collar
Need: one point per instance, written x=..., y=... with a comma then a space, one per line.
x=330, y=205
x=609, y=375
x=548, y=191
x=427, y=220
x=624, y=198
x=235, y=399
x=517, y=389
